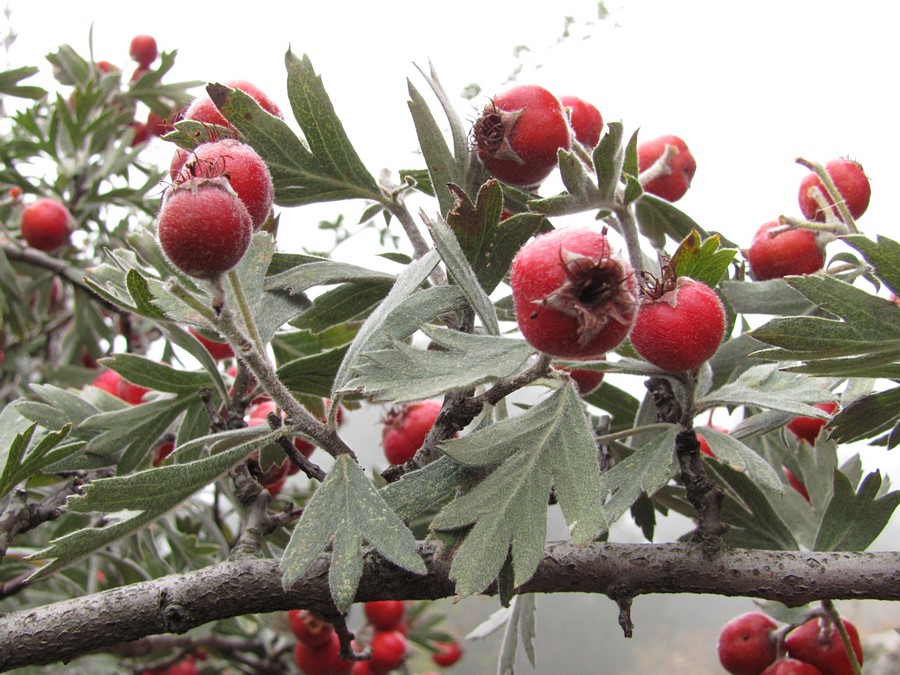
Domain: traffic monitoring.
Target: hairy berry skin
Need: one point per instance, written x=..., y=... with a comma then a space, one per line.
x=586, y=120
x=574, y=296
x=161, y=451
x=850, y=181
x=130, y=393
x=805, y=644
x=218, y=350
x=745, y=646
x=202, y=109
x=776, y=256
x=405, y=429
x=385, y=614
x=45, y=225
x=681, y=167
x=681, y=329
x=143, y=49
x=450, y=653
x=791, y=667
x=807, y=428
x=586, y=380
x=324, y=660
x=309, y=628
x=108, y=381
x=204, y=228
x=519, y=133
x=389, y=651
x=241, y=165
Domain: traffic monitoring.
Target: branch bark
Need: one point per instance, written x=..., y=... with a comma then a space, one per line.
x=64, y=630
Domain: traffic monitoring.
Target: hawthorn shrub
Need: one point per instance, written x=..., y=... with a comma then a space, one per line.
x=111, y=549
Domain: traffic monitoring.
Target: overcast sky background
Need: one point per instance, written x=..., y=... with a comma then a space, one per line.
x=749, y=86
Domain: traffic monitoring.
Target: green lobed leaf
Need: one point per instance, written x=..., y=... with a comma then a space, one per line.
x=741, y=458
x=883, y=254
x=609, y=160
x=430, y=486
x=343, y=303
x=155, y=375
x=9, y=83
x=867, y=417
x=442, y=165
x=313, y=374
x=853, y=520
x=347, y=509
x=405, y=373
x=320, y=273
x=702, y=261
x=621, y=405
x=658, y=219
x=550, y=444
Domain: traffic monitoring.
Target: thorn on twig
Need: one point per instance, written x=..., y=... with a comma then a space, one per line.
x=625, y=622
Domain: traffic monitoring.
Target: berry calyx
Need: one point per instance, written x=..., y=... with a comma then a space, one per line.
x=786, y=251
x=851, y=182
x=448, y=653
x=820, y=645
x=245, y=170
x=385, y=614
x=791, y=667
x=586, y=120
x=389, y=650
x=405, y=429
x=143, y=49
x=745, y=644
x=310, y=628
x=673, y=179
x=519, y=133
x=807, y=428
x=218, y=350
x=202, y=109
x=45, y=224
x=680, y=323
x=204, y=228
x=574, y=296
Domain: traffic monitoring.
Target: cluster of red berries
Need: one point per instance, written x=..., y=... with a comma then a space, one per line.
x=185, y=666
x=779, y=250
x=753, y=644
x=317, y=651
x=222, y=192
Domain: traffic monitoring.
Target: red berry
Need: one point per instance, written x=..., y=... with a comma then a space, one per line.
x=156, y=125
x=385, y=614
x=138, y=73
x=519, y=133
x=448, y=654
x=586, y=120
x=106, y=67
x=677, y=177
x=807, y=428
x=184, y=667
x=679, y=326
x=218, y=350
x=795, y=483
x=130, y=393
x=585, y=380
x=389, y=651
x=310, y=628
x=141, y=133
x=574, y=296
x=812, y=643
x=108, y=381
x=745, y=644
x=45, y=224
x=850, y=181
x=162, y=451
x=405, y=429
x=362, y=668
x=324, y=660
x=791, y=667
x=794, y=251
x=202, y=109
x=143, y=49
x=242, y=166
x=204, y=228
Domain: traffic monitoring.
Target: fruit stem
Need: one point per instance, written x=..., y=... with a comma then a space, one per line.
x=835, y=617
x=629, y=231
x=244, y=307
x=660, y=167
x=625, y=433
x=791, y=223
x=833, y=192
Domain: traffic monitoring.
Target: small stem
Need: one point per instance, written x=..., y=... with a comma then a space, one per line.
x=244, y=307
x=632, y=239
x=609, y=438
x=838, y=623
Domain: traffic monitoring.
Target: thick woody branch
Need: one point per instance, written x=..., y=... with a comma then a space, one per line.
x=175, y=604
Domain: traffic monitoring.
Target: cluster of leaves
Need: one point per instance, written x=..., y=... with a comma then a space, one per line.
x=489, y=491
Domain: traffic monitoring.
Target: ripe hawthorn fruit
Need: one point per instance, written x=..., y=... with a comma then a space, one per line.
x=204, y=228
x=161, y=451
x=129, y=392
x=389, y=650
x=385, y=614
x=518, y=134
x=143, y=49
x=108, y=381
x=681, y=167
x=586, y=380
x=807, y=428
x=218, y=350
x=813, y=643
x=324, y=660
x=405, y=428
x=259, y=413
x=851, y=182
x=794, y=251
x=45, y=224
x=791, y=667
x=310, y=628
x=585, y=119
x=574, y=296
x=796, y=483
x=745, y=644
x=680, y=323
x=245, y=170
x=448, y=653
x=202, y=109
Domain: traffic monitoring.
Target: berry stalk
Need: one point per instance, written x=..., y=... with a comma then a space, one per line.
x=827, y=181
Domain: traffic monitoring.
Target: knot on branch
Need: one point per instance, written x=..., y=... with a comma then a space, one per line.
x=177, y=618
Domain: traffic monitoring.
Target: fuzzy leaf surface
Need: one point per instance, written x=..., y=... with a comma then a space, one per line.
x=853, y=520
